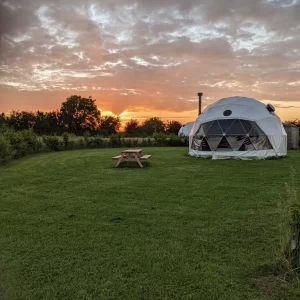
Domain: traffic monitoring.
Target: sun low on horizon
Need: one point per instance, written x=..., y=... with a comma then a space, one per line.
x=141, y=59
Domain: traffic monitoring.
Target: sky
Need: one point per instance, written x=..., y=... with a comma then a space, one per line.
x=149, y=57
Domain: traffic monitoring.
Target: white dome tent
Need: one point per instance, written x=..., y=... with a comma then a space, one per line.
x=185, y=129
x=238, y=127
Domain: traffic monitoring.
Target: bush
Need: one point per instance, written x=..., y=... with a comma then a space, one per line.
x=115, y=141
x=160, y=139
x=175, y=141
x=33, y=143
x=65, y=137
x=72, y=145
x=96, y=142
x=103, y=132
x=22, y=142
x=82, y=143
x=5, y=151
x=18, y=144
x=53, y=143
x=100, y=142
x=135, y=142
x=149, y=142
x=127, y=142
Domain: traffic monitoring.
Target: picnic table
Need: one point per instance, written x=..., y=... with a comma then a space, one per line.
x=134, y=155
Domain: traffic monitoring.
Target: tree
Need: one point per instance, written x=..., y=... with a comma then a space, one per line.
x=3, y=120
x=153, y=125
x=47, y=122
x=133, y=128
x=41, y=124
x=294, y=122
x=80, y=114
x=21, y=120
x=53, y=119
x=109, y=125
x=173, y=127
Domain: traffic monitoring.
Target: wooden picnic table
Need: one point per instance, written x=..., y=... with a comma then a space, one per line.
x=134, y=155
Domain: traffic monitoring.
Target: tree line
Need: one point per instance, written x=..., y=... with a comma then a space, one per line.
x=79, y=116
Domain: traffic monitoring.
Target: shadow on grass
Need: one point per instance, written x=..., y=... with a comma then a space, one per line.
x=132, y=165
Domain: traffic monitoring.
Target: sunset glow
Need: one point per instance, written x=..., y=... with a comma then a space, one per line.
x=149, y=58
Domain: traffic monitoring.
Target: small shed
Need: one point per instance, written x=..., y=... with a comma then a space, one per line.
x=292, y=135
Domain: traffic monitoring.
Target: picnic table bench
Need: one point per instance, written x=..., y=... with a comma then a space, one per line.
x=134, y=155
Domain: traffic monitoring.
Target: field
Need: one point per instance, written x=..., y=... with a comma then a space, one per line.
x=74, y=227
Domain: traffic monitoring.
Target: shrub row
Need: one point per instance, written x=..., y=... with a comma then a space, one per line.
x=16, y=144
x=69, y=142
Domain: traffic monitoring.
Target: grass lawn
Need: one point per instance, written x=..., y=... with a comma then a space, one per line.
x=74, y=227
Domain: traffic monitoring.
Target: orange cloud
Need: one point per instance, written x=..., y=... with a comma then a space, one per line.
x=149, y=57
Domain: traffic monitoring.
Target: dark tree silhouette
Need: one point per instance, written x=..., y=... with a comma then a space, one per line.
x=133, y=128
x=80, y=114
x=21, y=120
x=3, y=119
x=109, y=125
x=54, y=122
x=153, y=125
x=294, y=122
x=173, y=127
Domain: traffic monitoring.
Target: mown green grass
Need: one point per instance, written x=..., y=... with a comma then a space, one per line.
x=74, y=227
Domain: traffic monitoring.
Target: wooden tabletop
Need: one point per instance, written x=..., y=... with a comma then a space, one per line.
x=132, y=151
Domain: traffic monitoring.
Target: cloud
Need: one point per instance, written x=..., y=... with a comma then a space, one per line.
x=147, y=55
x=286, y=106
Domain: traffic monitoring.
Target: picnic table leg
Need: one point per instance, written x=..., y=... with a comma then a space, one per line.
x=120, y=160
x=138, y=160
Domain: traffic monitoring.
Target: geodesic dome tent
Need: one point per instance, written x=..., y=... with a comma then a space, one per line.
x=238, y=127
x=185, y=129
